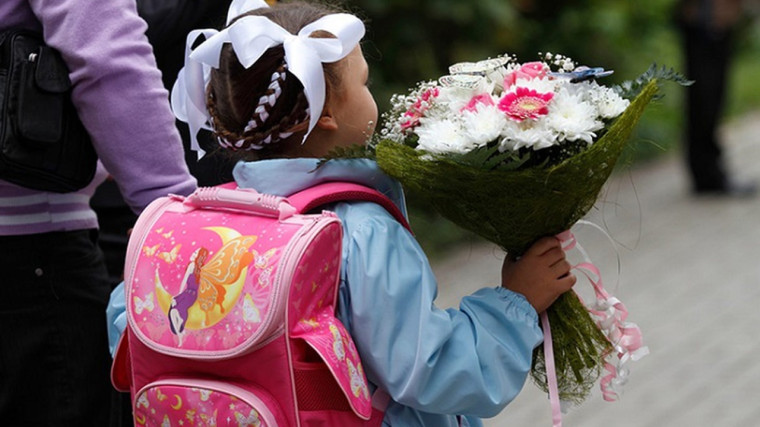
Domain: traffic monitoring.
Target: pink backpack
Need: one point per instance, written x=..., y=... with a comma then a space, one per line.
x=231, y=298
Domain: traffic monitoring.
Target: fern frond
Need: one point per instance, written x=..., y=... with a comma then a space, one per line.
x=356, y=151
x=631, y=88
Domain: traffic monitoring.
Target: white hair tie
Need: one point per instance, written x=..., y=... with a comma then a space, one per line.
x=250, y=37
x=239, y=7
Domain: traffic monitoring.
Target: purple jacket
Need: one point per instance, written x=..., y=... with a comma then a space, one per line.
x=118, y=93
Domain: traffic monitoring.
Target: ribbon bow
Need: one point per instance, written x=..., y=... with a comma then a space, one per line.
x=610, y=315
x=239, y=7
x=250, y=37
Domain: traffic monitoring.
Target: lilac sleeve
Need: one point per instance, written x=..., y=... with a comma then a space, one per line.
x=118, y=93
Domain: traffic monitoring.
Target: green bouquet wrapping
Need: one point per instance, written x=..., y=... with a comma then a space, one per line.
x=514, y=152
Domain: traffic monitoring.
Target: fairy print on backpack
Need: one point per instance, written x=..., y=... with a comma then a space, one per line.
x=198, y=280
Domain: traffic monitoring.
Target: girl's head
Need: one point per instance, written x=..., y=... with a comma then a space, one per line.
x=290, y=81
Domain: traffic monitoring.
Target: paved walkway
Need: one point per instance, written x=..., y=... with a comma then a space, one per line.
x=690, y=277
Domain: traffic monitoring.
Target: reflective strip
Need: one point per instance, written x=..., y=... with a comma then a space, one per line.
x=47, y=217
x=53, y=199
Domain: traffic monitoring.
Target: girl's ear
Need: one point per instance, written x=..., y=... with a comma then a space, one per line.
x=327, y=121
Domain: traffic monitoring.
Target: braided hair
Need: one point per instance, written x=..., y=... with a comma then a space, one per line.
x=261, y=112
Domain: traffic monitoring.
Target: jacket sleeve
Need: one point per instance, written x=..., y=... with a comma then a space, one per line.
x=118, y=93
x=116, y=316
x=473, y=360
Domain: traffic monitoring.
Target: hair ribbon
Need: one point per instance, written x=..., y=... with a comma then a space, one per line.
x=250, y=37
x=239, y=7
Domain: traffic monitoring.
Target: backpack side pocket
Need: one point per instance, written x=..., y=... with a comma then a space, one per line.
x=205, y=403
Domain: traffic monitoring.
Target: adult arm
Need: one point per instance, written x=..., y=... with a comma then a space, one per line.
x=118, y=94
x=471, y=361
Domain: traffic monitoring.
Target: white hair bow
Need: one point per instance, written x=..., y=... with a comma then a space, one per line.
x=250, y=37
x=239, y=7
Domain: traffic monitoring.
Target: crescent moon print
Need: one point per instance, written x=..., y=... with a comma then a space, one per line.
x=177, y=405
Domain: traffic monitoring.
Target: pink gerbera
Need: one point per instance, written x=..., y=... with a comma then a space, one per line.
x=525, y=103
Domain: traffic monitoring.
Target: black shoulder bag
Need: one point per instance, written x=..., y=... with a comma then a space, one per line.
x=43, y=144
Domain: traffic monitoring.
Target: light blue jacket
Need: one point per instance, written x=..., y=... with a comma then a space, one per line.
x=472, y=361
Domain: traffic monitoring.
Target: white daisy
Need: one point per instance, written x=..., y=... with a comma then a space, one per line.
x=534, y=134
x=542, y=85
x=442, y=136
x=572, y=118
x=484, y=124
x=455, y=98
x=608, y=103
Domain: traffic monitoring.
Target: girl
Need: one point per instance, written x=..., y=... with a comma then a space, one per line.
x=286, y=85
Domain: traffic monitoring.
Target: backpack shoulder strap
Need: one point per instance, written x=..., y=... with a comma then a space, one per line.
x=330, y=192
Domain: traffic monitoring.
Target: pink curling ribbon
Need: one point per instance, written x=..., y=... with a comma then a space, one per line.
x=610, y=315
x=551, y=372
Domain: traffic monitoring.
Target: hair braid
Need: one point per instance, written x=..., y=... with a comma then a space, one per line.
x=263, y=108
x=251, y=139
x=267, y=100
x=222, y=133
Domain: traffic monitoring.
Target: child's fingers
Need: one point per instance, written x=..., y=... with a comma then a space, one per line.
x=560, y=268
x=566, y=282
x=553, y=256
x=543, y=245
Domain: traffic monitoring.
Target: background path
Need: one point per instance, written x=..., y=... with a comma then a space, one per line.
x=690, y=277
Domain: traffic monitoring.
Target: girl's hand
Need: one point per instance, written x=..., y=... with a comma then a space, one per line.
x=541, y=275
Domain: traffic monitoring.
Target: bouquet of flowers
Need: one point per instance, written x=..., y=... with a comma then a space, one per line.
x=515, y=151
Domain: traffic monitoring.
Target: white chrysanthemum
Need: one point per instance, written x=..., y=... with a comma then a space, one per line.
x=572, y=118
x=608, y=103
x=485, y=124
x=442, y=136
x=542, y=85
x=455, y=97
x=533, y=134
x=581, y=91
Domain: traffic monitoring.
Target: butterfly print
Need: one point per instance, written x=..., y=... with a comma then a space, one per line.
x=170, y=256
x=150, y=250
x=146, y=304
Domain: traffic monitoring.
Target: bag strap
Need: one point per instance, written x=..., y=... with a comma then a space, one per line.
x=331, y=192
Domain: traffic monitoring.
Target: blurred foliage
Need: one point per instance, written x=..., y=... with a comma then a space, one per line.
x=412, y=41
x=409, y=41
